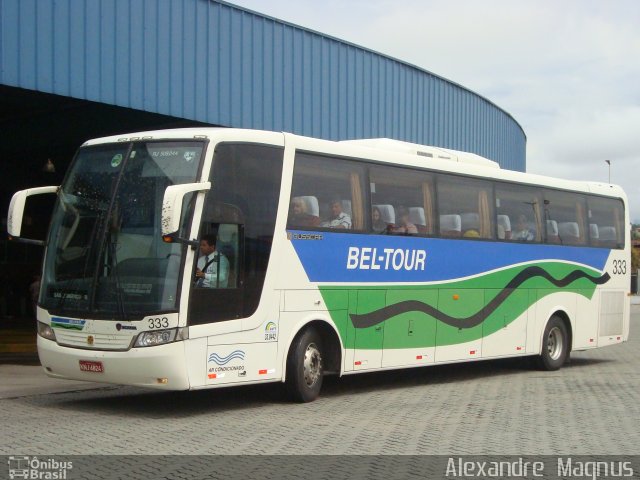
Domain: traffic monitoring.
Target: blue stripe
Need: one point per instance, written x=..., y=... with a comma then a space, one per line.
x=327, y=259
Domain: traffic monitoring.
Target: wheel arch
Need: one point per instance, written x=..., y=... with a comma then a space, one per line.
x=331, y=342
x=566, y=319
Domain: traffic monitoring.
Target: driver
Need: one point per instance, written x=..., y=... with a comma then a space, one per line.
x=213, y=267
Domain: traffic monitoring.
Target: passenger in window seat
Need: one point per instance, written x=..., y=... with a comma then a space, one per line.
x=377, y=223
x=299, y=216
x=522, y=232
x=338, y=219
x=404, y=225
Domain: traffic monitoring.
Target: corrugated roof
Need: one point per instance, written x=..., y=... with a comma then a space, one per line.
x=218, y=63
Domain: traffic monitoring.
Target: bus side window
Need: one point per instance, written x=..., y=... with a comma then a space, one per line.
x=518, y=213
x=401, y=201
x=326, y=193
x=606, y=217
x=568, y=211
x=468, y=200
x=228, y=245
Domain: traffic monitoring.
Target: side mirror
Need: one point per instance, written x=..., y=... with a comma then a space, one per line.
x=16, y=212
x=172, y=204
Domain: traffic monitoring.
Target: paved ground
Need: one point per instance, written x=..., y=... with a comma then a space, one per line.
x=590, y=406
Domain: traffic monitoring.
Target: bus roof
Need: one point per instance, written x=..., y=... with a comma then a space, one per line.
x=382, y=150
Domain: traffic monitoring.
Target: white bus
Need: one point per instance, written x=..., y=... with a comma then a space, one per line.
x=322, y=258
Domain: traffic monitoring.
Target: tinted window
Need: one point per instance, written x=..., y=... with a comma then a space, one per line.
x=105, y=256
x=565, y=215
x=518, y=213
x=606, y=221
x=326, y=193
x=465, y=207
x=240, y=213
x=401, y=201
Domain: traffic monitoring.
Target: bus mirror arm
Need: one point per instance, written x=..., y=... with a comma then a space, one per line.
x=174, y=238
x=172, y=206
x=16, y=212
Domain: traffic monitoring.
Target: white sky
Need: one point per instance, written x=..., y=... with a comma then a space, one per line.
x=568, y=71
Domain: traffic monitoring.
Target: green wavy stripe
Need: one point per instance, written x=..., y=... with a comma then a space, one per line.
x=459, y=300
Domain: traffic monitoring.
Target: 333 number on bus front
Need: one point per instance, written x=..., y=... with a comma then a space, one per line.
x=158, y=323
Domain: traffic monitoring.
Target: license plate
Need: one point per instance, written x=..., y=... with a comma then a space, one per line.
x=89, y=366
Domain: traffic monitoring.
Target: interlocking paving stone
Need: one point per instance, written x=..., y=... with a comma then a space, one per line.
x=591, y=406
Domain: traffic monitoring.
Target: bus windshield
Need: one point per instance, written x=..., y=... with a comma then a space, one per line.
x=105, y=255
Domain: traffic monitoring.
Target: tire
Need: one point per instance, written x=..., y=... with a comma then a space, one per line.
x=555, y=345
x=305, y=367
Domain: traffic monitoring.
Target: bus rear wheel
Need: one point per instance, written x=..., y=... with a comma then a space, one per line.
x=555, y=345
x=305, y=367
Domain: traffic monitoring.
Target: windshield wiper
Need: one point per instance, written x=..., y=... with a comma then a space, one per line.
x=106, y=227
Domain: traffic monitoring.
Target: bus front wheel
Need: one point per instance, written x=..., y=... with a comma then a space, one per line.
x=555, y=345
x=304, y=367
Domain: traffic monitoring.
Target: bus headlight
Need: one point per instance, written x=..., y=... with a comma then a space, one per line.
x=45, y=331
x=160, y=337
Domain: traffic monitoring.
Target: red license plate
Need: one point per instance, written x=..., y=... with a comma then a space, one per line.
x=89, y=366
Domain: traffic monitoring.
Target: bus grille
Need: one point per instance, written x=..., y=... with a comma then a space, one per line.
x=99, y=341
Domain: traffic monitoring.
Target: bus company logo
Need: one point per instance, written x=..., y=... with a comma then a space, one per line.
x=270, y=331
x=120, y=326
x=33, y=467
x=67, y=323
x=367, y=258
x=116, y=160
x=223, y=363
x=220, y=360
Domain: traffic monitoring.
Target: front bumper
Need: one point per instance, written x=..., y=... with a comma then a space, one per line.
x=162, y=367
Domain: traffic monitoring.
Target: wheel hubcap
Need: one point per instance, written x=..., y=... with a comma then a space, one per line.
x=312, y=365
x=555, y=343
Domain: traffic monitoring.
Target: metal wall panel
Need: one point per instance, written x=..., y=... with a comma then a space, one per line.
x=214, y=62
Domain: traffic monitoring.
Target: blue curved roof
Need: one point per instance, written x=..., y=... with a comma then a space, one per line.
x=213, y=62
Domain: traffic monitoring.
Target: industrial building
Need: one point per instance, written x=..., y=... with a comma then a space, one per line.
x=77, y=69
